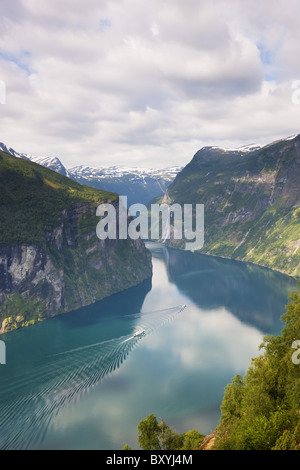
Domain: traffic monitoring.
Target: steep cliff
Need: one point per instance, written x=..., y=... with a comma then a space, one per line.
x=51, y=260
x=251, y=199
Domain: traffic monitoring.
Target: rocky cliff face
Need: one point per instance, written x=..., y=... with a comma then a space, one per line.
x=51, y=260
x=251, y=202
x=72, y=269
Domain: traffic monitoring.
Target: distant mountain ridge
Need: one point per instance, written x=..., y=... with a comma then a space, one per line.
x=53, y=163
x=140, y=185
x=251, y=201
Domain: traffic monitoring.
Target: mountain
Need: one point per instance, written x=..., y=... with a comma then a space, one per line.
x=140, y=185
x=53, y=163
x=11, y=151
x=251, y=199
x=51, y=260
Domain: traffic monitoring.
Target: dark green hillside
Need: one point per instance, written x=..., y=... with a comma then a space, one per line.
x=51, y=260
x=262, y=410
x=32, y=198
x=252, y=202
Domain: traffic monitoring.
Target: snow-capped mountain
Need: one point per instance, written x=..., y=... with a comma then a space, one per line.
x=140, y=185
x=115, y=171
x=53, y=163
x=243, y=149
x=50, y=162
x=12, y=151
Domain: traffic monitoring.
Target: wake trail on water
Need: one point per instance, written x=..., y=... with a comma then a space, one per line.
x=64, y=378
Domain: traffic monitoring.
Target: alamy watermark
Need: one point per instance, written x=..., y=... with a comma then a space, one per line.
x=2, y=92
x=296, y=354
x=296, y=93
x=162, y=222
x=2, y=353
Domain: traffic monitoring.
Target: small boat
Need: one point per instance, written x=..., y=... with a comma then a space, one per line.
x=139, y=332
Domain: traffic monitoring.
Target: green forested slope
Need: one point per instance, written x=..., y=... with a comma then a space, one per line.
x=262, y=410
x=251, y=201
x=32, y=198
x=51, y=260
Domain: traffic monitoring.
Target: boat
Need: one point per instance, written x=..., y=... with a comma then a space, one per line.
x=139, y=332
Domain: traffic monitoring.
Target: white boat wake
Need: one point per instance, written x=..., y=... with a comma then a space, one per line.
x=63, y=378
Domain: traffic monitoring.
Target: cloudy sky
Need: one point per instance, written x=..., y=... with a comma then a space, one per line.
x=126, y=82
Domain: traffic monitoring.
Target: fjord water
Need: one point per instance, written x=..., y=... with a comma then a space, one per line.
x=83, y=381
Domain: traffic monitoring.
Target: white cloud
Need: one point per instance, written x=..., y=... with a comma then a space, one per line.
x=121, y=82
x=213, y=331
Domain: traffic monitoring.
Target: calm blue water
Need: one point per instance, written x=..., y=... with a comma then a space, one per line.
x=82, y=381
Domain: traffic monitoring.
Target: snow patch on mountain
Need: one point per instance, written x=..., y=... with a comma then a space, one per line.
x=243, y=149
x=119, y=172
x=53, y=163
